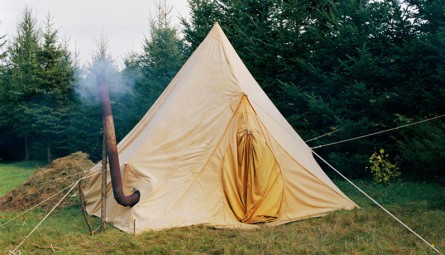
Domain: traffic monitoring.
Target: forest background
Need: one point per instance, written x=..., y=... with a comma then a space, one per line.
x=349, y=67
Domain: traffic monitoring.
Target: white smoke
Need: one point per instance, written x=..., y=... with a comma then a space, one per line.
x=88, y=78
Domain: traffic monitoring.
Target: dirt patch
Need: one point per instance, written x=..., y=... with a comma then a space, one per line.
x=46, y=182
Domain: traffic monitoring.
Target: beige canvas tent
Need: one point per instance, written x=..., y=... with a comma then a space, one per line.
x=214, y=150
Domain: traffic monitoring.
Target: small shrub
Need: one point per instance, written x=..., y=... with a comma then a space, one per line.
x=382, y=169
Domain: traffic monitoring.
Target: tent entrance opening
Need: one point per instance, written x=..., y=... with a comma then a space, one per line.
x=252, y=180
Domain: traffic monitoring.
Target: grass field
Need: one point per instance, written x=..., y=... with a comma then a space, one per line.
x=364, y=231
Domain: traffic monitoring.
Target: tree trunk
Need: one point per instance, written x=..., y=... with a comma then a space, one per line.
x=26, y=149
x=48, y=150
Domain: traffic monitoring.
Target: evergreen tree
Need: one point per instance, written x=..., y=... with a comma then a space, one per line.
x=356, y=69
x=55, y=81
x=423, y=90
x=203, y=14
x=86, y=120
x=22, y=85
x=4, y=129
x=2, y=52
x=160, y=60
x=3, y=69
x=427, y=76
x=38, y=91
x=85, y=127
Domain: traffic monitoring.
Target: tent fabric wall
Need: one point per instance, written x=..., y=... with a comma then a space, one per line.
x=177, y=154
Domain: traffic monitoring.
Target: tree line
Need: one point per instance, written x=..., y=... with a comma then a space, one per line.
x=342, y=67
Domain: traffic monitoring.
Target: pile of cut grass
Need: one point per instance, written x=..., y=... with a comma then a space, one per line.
x=46, y=182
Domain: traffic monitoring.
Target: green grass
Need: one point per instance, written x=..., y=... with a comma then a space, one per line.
x=363, y=231
x=13, y=174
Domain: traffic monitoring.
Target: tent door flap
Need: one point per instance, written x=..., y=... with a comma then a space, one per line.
x=252, y=179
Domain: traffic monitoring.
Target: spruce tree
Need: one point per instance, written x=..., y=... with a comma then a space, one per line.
x=162, y=56
x=55, y=81
x=39, y=89
x=4, y=128
x=22, y=85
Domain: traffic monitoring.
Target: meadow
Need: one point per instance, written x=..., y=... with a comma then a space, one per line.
x=368, y=230
x=12, y=174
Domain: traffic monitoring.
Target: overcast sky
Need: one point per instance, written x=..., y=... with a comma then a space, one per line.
x=123, y=22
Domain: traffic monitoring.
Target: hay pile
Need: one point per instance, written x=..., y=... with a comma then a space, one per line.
x=45, y=182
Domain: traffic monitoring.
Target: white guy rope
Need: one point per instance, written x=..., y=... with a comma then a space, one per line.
x=73, y=185
x=376, y=133
x=1, y=225
x=347, y=140
x=379, y=205
x=327, y=134
x=44, y=201
x=44, y=218
x=76, y=174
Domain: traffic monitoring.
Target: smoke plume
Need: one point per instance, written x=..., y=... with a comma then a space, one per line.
x=102, y=69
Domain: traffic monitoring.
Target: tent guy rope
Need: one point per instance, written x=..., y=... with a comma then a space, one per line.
x=72, y=186
x=379, y=132
x=44, y=218
x=327, y=134
x=67, y=176
x=350, y=139
x=3, y=224
x=378, y=204
x=91, y=173
x=44, y=201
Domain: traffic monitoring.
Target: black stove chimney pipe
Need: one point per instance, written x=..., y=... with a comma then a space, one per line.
x=113, y=158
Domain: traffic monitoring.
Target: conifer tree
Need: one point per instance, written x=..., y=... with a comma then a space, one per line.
x=160, y=60
x=4, y=129
x=85, y=121
x=22, y=85
x=39, y=88
x=55, y=81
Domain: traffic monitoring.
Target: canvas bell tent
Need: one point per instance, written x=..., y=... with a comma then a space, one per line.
x=215, y=150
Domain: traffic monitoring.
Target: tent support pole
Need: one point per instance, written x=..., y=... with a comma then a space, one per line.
x=103, y=210
x=82, y=203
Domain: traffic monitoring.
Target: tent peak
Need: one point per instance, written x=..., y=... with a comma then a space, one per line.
x=217, y=31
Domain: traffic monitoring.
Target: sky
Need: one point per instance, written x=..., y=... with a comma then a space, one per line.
x=123, y=23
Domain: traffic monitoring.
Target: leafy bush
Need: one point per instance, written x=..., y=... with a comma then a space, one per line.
x=382, y=168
